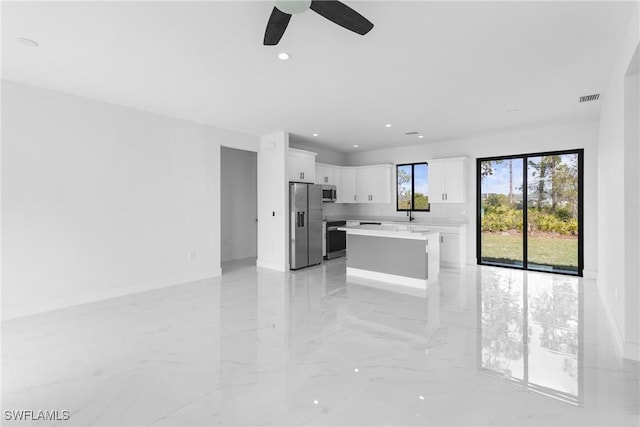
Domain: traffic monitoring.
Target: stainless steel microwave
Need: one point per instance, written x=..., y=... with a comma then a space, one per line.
x=329, y=193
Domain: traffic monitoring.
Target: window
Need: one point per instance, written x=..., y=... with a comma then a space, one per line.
x=412, y=188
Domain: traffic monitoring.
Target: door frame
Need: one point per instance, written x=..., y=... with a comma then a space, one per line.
x=525, y=189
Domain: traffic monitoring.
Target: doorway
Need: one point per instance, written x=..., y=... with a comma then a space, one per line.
x=239, y=207
x=529, y=211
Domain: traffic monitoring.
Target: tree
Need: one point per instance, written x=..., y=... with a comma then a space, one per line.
x=544, y=170
x=557, y=182
x=486, y=167
x=510, y=181
x=404, y=194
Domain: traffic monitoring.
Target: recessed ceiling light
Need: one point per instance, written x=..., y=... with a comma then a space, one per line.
x=420, y=136
x=388, y=125
x=284, y=56
x=512, y=110
x=28, y=42
x=315, y=134
x=355, y=145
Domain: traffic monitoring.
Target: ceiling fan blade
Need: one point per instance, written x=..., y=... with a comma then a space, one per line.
x=278, y=22
x=342, y=15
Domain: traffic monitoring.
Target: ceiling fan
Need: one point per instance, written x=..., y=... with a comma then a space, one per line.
x=334, y=10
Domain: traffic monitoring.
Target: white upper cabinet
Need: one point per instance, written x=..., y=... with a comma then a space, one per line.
x=327, y=174
x=346, y=188
x=373, y=184
x=447, y=180
x=302, y=166
x=381, y=183
x=361, y=184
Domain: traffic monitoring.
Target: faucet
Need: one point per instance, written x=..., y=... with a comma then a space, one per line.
x=411, y=217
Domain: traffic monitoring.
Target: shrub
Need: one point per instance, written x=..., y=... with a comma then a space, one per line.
x=503, y=218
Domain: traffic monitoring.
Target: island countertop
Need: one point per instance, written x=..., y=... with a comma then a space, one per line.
x=403, y=231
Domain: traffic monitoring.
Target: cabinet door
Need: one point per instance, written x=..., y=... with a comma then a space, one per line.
x=347, y=188
x=308, y=169
x=436, y=181
x=454, y=181
x=326, y=174
x=381, y=184
x=330, y=175
x=295, y=173
x=337, y=175
x=320, y=175
x=449, y=249
x=363, y=185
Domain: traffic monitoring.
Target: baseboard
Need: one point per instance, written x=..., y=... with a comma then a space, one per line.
x=590, y=274
x=270, y=265
x=611, y=321
x=385, y=277
x=100, y=295
x=632, y=351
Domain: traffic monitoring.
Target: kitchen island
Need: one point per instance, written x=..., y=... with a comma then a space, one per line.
x=399, y=254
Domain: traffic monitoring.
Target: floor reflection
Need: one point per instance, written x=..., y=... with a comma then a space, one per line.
x=260, y=347
x=531, y=329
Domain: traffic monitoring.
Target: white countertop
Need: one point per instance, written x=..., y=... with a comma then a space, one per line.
x=399, y=231
x=422, y=222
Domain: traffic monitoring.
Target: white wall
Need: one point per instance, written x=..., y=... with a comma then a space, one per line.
x=238, y=204
x=273, y=202
x=614, y=281
x=632, y=209
x=100, y=200
x=323, y=155
x=542, y=138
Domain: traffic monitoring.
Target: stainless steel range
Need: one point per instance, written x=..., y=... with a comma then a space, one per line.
x=336, y=241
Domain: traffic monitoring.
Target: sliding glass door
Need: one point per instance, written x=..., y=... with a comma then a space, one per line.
x=530, y=211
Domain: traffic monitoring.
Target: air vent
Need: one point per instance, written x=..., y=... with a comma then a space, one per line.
x=412, y=133
x=588, y=98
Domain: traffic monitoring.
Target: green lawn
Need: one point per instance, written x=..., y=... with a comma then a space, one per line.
x=558, y=252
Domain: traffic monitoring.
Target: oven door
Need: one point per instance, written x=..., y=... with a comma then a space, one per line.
x=336, y=242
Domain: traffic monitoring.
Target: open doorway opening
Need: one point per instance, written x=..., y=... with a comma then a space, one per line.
x=239, y=208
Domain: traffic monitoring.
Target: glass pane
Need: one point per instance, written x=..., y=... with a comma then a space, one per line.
x=420, y=198
x=552, y=211
x=404, y=187
x=501, y=211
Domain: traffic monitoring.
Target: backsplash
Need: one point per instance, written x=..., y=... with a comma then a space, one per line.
x=457, y=211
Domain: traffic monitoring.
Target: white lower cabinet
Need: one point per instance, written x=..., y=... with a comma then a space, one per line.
x=449, y=248
x=453, y=245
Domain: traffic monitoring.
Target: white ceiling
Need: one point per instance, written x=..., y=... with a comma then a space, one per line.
x=444, y=69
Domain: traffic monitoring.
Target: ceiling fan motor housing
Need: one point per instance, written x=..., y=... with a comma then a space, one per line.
x=293, y=6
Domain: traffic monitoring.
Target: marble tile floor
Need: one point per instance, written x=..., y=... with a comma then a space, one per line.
x=483, y=346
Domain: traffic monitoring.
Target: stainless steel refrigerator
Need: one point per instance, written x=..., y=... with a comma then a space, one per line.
x=305, y=218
